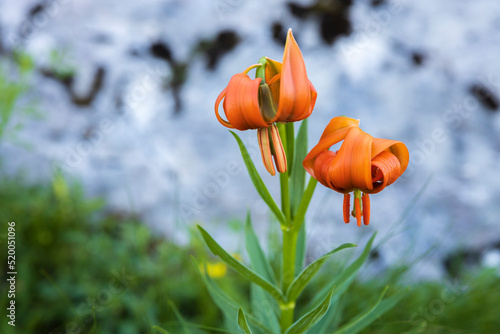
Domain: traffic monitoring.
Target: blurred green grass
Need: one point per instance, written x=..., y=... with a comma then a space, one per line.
x=72, y=254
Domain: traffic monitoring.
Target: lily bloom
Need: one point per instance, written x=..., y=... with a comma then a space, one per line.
x=281, y=92
x=363, y=164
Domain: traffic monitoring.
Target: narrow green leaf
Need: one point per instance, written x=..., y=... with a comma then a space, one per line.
x=257, y=181
x=346, y=276
x=94, y=324
x=242, y=322
x=311, y=318
x=300, y=282
x=300, y=255
x=298, y=173
x=365, y=319
x=179, y=317
x=227, y=305
x=241, y=268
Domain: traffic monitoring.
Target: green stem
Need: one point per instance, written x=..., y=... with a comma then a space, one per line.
x=289, y=252
x=290, y=143
x=285, y=197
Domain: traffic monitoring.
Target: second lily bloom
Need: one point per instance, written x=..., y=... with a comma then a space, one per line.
x=362, y=164
x=280, y=93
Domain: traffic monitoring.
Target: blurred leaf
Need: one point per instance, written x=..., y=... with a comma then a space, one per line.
x=257, y=181
x=161, y=330
x=179, y=317
x=311, y=318
x=242, y=322
x=365, y=319
x=94, y=324
x=300, y=282
x=239, y=267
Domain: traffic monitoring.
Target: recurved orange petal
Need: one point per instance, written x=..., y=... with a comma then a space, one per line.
x=241, y=103
x=352, y=166
x=335, y=132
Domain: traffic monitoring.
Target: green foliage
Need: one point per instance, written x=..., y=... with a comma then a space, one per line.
x=72, y=257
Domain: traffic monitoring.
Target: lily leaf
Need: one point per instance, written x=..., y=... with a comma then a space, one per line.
x=242, y=322
x=241, y=268
x=311, y=318
x=300, y=282
x=257, y=181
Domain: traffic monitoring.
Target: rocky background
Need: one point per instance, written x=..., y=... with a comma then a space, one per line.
x=125, y=91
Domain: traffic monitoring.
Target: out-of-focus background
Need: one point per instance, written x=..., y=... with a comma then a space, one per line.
x=117, y=98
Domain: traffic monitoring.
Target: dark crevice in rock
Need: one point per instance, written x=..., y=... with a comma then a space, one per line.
x=278, y=32
x=179, y=71
x=333, y=17
x=376, y=3
x=68, y=82
x=485, y=96
x=418, y=58
x=216, y=48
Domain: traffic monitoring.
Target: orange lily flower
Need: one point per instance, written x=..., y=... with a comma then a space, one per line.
x=283, y=93
x=362, y=164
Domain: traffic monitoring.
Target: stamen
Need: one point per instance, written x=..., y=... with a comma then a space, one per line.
x=279, y=151
x=366, y=209
x=357, y=208
x=265, y=149
x=347, y=208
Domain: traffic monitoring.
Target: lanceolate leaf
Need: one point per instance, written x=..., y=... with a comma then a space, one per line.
x=228, y=306
x=311, y=318
x=242, y=322
x=257, y=181
x=346, y=276
x=300, y=282
x=241, y=268
x=365, y=319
